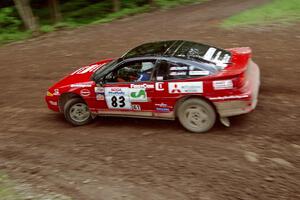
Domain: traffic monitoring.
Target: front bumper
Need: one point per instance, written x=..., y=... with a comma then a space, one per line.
x=245, y=102
x=52, y=103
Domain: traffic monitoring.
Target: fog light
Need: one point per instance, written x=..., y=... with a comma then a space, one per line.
x=49, y=94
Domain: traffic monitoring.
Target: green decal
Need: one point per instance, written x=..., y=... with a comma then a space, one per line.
x=138, y=94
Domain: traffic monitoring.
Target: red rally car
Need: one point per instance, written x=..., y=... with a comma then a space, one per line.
x=193, y=82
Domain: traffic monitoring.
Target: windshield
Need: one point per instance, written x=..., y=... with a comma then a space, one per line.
x=105, y=69
x=150, y=49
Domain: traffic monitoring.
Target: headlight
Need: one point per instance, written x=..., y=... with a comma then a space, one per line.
x=49, y=94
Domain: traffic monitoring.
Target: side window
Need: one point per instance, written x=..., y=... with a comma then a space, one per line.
x=171, y=70
x=134, y=71
x=177, y=71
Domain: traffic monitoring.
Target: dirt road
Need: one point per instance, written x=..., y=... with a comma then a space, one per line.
x=258, y=157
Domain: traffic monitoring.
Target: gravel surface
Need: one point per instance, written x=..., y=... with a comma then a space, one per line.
x=258, y=157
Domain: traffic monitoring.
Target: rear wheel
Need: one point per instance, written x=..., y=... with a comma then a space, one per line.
x=76, y=112
x=196, y=115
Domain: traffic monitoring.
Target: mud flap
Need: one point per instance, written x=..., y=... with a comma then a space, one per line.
x=93, y=115
x=225, y=121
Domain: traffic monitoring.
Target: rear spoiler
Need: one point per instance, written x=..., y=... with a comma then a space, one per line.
x=239, y=60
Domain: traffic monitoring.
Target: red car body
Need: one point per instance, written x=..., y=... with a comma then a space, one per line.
x=231, y=91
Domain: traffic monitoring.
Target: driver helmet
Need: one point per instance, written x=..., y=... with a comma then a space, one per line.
x=146, y=66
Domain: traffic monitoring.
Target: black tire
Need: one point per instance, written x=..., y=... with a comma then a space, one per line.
x=196, y=115
x=77, y=105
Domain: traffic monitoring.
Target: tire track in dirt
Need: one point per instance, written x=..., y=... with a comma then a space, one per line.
x=115, y=158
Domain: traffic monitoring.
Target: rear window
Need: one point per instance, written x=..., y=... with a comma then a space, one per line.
x=202, y=52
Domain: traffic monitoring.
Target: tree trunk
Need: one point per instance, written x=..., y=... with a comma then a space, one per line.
x=116, y=5
x=152, y=3
x=55, y=11
x=25, y=12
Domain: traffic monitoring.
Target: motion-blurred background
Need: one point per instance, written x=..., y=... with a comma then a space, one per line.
x=20, y=19
x=43, y=157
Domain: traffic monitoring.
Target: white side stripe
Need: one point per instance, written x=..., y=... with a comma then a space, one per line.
x=230, y=97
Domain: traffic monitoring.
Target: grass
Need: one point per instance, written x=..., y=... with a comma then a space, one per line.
x=165, y=4
x=7, y=190
x=7, y=37
x=122, y=13
x=277, y=11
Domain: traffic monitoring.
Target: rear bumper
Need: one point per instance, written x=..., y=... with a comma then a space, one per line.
x=233, y=108
x=242, y=103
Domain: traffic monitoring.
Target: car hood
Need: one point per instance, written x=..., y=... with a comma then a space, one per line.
x=81, y=75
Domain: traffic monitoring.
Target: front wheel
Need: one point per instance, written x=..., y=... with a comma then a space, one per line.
x=76, y=112
x=196, y=115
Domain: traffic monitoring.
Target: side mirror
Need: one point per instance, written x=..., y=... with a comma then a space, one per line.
x=100, y=82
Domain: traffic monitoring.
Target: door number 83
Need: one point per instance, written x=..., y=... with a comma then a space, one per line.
x=118, y=101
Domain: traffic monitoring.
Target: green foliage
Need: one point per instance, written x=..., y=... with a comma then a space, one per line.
x=273, y=12
x=89, y=13
x=47, y=28
x=122, y=13
x=8, y=20
x=75, y=13
x=133, y=3
x=7, y=37
x=10, y=25
x=171, y=3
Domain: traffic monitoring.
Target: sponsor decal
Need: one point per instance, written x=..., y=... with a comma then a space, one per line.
x=99, y=89
x=141, y=85
x=121, y=97
x=159, y=86
x=53, y=103
x=85, y=92
x=223, y=85
x=174, y=89
x=117, y=98
x=163, y=105
x=87, y=69
x=199, y=73
x=116, y=91
x=136, y=107
x=177, y=73
x=218, y=59
x=186, y=87
x=56, y=92
x=138, y=95
x=209, y=54
x=178, y=68
x=221, y=62
x=100, y=97
x=163, y=109
x=160, y=78
x=80, y=85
